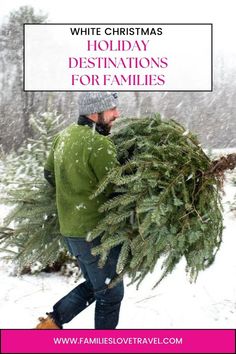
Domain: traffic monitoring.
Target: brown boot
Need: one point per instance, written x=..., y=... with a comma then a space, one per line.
x=47, y=323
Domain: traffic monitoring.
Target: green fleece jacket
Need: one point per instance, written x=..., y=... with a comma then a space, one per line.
x=79, y=159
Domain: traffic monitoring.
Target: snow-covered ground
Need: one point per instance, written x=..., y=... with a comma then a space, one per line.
x=175, y=303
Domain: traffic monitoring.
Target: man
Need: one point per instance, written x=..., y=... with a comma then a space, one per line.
x=80, y=158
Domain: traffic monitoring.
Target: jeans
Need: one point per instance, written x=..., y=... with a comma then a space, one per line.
x=94, y=288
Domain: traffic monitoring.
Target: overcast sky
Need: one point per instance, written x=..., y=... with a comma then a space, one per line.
x=220, y=13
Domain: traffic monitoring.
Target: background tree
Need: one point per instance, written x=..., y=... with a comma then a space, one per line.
x=16, y=105
x=30, y=232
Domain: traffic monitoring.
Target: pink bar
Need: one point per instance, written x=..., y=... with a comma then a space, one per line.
x=118, y=341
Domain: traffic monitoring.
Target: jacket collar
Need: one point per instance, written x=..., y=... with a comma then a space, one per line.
x=84, y=120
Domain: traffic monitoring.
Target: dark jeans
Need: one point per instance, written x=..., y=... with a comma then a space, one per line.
x=94, y=288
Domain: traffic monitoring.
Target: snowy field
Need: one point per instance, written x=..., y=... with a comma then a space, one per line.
x=175, y=303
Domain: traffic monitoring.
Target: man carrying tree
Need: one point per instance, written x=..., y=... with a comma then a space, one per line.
x=81, y=156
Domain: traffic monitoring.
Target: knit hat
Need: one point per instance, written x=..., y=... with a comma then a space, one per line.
x=97, y=102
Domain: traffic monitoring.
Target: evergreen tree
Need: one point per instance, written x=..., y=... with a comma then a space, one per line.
x=30, y=232
x=167, y=204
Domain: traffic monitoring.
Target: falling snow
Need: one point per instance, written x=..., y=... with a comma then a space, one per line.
x=80, y=206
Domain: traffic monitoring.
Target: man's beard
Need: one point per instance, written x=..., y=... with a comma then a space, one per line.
x=101, y=126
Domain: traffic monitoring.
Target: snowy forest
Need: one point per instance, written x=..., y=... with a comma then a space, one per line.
x=202, y=121
x=210, y=114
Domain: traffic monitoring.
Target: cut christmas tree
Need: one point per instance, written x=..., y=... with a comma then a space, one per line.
x=167, y=204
